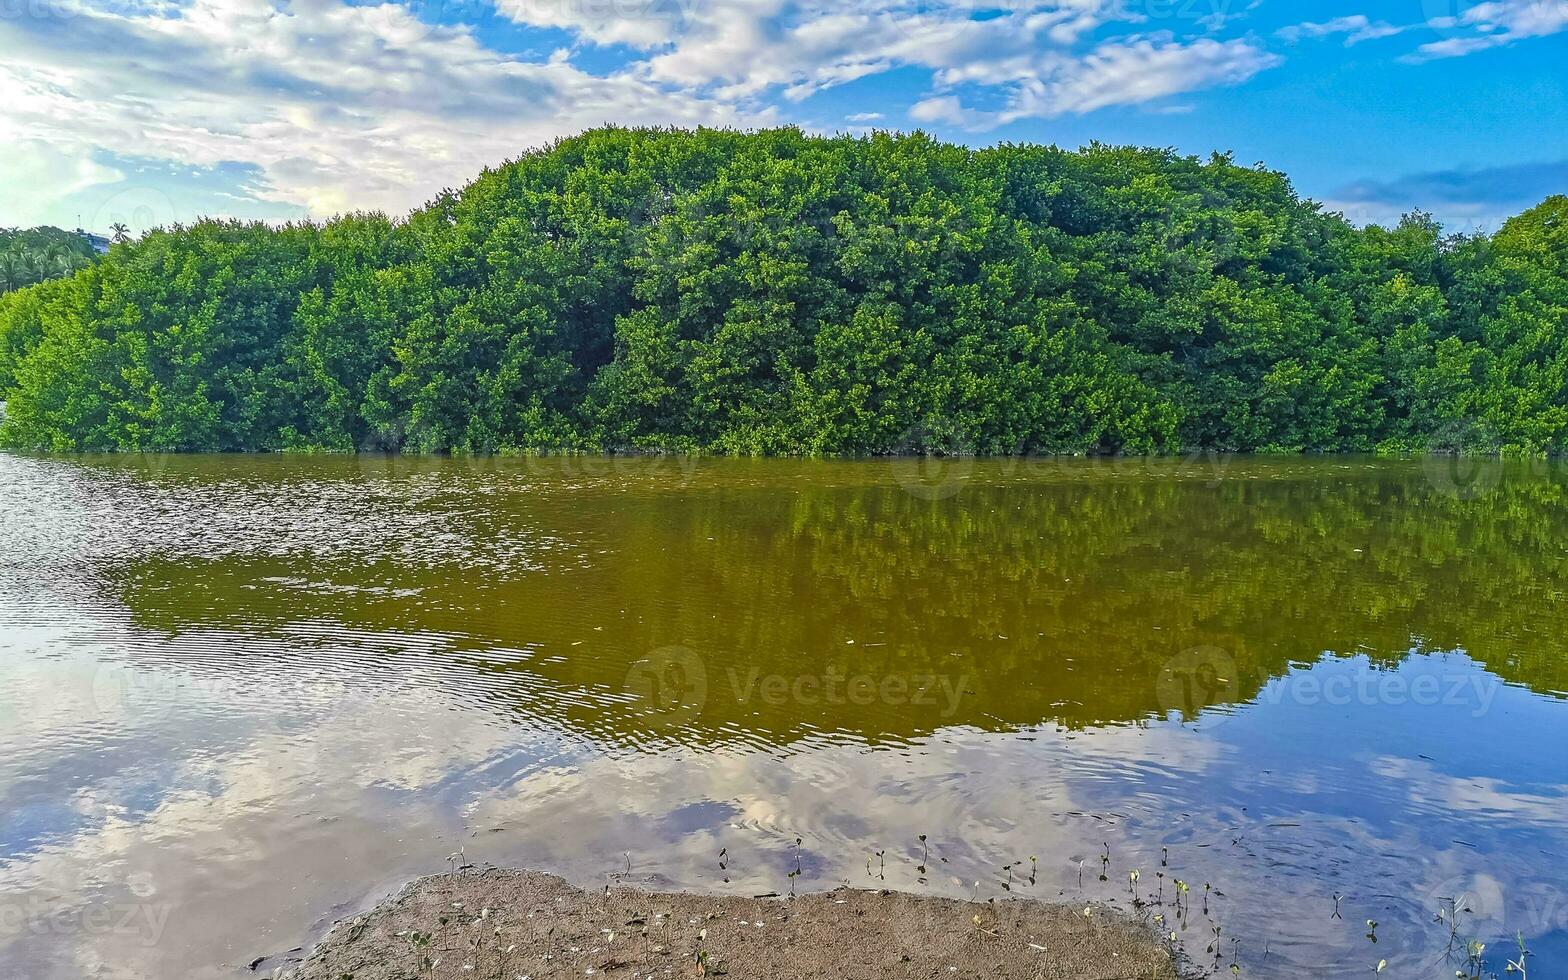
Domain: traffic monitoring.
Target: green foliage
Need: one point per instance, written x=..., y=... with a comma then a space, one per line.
x=37, y=255
x=776, y=293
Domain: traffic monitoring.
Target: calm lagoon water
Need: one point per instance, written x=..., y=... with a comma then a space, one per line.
x=243, y=696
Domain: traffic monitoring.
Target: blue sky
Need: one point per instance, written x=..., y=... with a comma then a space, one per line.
x=154, y=111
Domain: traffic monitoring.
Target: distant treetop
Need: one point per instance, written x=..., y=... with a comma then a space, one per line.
x=778, y=293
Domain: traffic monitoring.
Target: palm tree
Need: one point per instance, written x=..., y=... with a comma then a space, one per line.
x=17, y=269
x=32, y=268
x=122, y=233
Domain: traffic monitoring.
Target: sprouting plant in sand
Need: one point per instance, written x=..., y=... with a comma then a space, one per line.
x=707, y=965
x=925, y=854
x=986, y=926
x=1105, y=863
x=792, y=876
x=1008, y=884
x=476, y=941
x=503, y=958
x=797, y=872
x=1372, y=930
x=419, y=943
x=441, y=922
x=1132, y=885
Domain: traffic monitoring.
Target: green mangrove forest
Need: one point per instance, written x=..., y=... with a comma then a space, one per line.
x=775, y=292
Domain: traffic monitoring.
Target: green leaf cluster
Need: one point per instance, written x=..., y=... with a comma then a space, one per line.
x=33, y=255
x=775, y=292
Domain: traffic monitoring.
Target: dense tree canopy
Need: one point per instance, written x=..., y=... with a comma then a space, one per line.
x=33, y=255
x=774, y=292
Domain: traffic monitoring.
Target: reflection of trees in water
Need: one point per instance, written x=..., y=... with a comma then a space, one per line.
x=1066, y=596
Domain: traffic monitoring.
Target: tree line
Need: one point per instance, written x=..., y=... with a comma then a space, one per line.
x=775, y=292
x=33, y=255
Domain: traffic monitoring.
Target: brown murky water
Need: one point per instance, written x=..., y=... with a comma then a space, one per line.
x=241, y=696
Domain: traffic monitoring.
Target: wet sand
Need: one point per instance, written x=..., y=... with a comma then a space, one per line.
x=505, y=925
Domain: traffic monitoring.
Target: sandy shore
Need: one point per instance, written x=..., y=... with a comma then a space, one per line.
x=505, y=925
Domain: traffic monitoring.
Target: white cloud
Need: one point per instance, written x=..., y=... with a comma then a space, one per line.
x=340, y=107
x=640, y=24
x=1143, y=70
x=1027, y=50
x=1356, y=28
x=1128, y=72
x=333, y=107
x=36, y=175
x=1492, y=25
x=748, y=46
x=943, y=109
